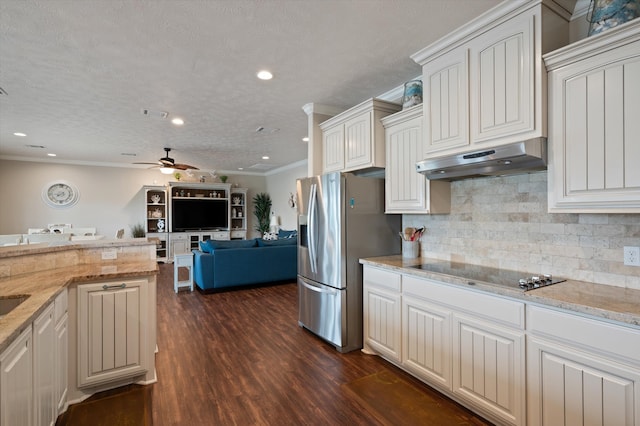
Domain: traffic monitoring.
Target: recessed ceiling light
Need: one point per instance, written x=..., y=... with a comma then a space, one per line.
x=178, y=121
x=264, y=75
x=20, y=134
x=305, y=139
x=265, y=157
x=51, y=154
x=240, y=168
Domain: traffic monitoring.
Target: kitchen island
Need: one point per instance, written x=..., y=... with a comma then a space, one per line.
x=87, y=324
x=563, y=351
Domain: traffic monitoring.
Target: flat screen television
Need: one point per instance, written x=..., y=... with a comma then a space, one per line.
x=199, y=215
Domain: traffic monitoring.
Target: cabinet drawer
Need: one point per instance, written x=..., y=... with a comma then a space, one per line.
x=504, y=311
x=179, y=237
x=593, y=334
x=238, y=234
x=222, y=235
x=382, y=278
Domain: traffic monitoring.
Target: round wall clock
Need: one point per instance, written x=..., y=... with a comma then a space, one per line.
x=60, y=194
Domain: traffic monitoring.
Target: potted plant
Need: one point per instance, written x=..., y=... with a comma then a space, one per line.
x=261, y=209
x=137, y=231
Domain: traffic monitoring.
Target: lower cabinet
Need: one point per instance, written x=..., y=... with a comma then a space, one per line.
x=426, y=340
x=382, y=310
x=581, y=371
x=44, y=341
x=465, y=343
x=489, y=367
x=33, y=370
x=16, y=381
x=112, y=331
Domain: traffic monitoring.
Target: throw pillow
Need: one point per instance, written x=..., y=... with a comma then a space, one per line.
x=270, y=236
x=283, y=233
x=206, y=247
x=283, y=242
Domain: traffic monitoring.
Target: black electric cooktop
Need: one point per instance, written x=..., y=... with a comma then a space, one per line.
x=502, y=277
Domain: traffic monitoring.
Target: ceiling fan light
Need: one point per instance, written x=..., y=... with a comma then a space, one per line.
x=166, y=170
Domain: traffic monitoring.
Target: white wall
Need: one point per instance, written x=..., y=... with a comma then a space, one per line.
x=280, y=187
x=110, y=197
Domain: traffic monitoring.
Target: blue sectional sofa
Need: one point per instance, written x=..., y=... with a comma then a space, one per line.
x=225, y=264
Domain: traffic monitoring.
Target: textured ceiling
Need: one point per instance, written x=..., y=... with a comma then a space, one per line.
x=78, y=73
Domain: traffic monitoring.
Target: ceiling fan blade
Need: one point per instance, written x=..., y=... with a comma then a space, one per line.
x=184, y=167
x=166, y=162
x=157, y=163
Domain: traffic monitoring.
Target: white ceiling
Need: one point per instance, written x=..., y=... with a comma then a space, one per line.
x=78, y=73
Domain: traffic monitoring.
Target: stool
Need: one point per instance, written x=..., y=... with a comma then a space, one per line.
x=184, y=260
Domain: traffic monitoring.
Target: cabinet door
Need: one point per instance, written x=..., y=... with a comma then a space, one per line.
x=489, y=368
x=44, y=363
x=595, y=127
x=501, y=80
x=333, y=149
x=382, y=312
x=382, y=321
x=358, y=142
x=112, y=338
x=569, y=387
x=16, y=382
x=61, y=363
x=426, y=331
x=446, y=102
x=404, y=187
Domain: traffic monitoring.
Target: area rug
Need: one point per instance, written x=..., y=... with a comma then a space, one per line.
x=131, y=407
x=393, y=400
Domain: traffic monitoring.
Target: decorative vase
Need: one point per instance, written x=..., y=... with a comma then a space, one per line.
x=412, y=93
x=607, y=14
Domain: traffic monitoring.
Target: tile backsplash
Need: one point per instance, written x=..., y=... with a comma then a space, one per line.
x=503, y=222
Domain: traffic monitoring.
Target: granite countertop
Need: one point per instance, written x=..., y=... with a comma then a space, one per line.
x=43, y=287
x=39, y=248
x=608, y=302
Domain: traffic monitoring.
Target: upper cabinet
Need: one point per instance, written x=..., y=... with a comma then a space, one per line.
x=354, y=139
x=594, y=99
x=406, y=190
x=485, y=83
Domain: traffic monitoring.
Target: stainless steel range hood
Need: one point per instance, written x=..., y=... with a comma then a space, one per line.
x=520, y=157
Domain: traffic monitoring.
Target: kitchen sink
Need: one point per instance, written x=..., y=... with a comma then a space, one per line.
x=9, y=303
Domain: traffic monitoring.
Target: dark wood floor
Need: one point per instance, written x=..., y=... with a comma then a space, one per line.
x=240, y=358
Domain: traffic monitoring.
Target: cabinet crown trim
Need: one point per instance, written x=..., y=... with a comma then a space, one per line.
x=483, y=23
x=613, y=38
x=368, y=105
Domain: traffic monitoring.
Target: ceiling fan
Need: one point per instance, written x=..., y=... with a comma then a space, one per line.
x=168, y=164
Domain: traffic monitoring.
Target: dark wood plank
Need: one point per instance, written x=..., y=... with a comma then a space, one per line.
x=240, y=358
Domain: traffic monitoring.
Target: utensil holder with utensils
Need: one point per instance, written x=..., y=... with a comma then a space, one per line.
x=410, y=249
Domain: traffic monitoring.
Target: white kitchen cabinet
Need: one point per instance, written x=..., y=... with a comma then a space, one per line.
x=382, y=312
x=426, y=335
x=486, y=82
x=581, y=371
x=113, y=331
x=16, y=381
x=594, y=99
x=446, y=108
x=44, y=363
x=468, y=344
x=489, y=367
x=61, y=353
x=354, y=139
x=406, y=190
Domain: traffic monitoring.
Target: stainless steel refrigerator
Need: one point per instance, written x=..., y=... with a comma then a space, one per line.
x=340, y=220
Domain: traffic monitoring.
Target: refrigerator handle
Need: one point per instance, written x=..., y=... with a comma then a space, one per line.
x=331, y=291
x=311, y=231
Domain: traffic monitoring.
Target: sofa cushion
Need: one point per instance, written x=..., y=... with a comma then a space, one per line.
x=210, y=245
x=283, y=242
x=283, y=234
